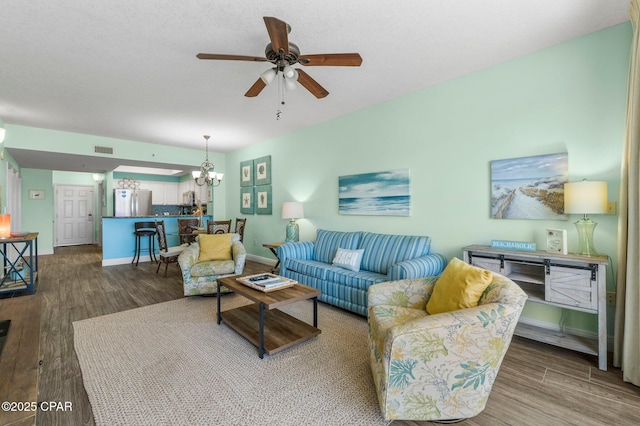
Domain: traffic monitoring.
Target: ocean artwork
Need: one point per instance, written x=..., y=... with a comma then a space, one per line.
x=375, y=194
x=529, y=187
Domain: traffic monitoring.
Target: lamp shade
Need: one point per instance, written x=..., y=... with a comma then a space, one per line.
x=5, y=225
x=268, y=76
x=586, y=197
x=292, y=210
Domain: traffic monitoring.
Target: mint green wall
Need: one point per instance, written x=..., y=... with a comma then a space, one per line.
x=570, y=97
x=38, y=215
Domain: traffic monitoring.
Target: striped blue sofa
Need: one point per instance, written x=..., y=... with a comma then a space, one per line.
x=385, y=258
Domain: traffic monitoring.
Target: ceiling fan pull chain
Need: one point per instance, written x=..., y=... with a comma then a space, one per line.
x=280, y=78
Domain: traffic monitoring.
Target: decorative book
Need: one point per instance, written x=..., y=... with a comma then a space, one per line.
x=266, y=282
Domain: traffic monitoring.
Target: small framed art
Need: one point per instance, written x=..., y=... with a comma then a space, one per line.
x=262, y=170
x=246, y=200
x=246, y=173
x=263, y=199
x=557, y=241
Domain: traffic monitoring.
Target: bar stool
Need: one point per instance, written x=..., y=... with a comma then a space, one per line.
x=145, y=229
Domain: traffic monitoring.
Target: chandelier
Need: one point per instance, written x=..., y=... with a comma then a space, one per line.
x=206, y=175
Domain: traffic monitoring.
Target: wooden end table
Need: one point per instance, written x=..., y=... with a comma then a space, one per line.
x=274, y=249
x=261, y=323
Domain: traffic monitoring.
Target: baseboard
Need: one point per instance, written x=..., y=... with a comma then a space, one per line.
x=260, y=259
x=124, y=260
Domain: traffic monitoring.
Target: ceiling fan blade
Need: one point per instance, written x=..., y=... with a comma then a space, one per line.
x=332, y=59
x=278, y=31
x=255, y=89
x=230, y=57
x=311, y=85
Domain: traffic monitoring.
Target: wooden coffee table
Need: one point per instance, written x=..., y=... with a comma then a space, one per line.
x=261, y=323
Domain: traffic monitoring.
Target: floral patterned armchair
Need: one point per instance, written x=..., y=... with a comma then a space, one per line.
x=442, y=366
x=202, y=277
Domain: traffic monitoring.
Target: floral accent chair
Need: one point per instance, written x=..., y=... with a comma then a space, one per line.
x=202, y=277
x=442, y=366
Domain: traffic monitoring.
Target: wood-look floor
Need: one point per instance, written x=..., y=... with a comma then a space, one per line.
x=537, y=384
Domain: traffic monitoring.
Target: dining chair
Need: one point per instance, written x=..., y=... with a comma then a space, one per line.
x=219, y=227
x=240, y=223
x=186, y=228
x=167, y=254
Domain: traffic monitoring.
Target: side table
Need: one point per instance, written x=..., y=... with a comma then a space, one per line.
x=274, y=249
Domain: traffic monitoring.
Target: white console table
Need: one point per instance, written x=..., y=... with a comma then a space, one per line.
x=566, y=281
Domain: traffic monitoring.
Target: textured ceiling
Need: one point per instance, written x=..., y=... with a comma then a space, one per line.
x=127, y=69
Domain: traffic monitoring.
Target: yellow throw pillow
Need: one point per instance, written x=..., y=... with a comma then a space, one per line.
x=460, y=286
x=215, y=247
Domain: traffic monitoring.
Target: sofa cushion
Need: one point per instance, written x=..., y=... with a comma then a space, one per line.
x=382, y=250
x=459, y=287
x=213, y=267
x=348, y=259
x=307, y=267
x=327, y=243
x=362, y=279
x=215, y=247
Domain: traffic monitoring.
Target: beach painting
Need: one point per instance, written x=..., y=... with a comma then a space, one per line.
x=529, y=187
x=375, y=194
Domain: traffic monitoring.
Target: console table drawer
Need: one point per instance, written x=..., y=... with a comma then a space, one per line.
x=573, y=287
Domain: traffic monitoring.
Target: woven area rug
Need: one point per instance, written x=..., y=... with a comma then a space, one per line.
x=171, y=364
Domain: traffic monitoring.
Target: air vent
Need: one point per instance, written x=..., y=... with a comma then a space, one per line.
x=103, y=149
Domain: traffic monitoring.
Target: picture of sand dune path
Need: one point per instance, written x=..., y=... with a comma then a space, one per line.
x=523, y=206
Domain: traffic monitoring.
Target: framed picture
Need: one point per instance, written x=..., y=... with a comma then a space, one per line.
x=246, y=200
x=529, y=187
x=246, y=173
x=557, y=241
x=263, y=199
x=375, y=194
x=262, y=170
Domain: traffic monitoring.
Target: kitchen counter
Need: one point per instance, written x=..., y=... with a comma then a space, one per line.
x=157, y=216
x=118, y=240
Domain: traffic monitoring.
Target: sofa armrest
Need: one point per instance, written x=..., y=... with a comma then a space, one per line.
x=410, y=293
x=188, y=258
x=298, y=250
x=239, y=255
x=430, y=265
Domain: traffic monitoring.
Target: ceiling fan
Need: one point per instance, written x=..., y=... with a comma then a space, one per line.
x=284, y=54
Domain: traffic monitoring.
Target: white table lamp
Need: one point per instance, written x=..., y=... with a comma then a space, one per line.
x=585, y=198
x=292, y=210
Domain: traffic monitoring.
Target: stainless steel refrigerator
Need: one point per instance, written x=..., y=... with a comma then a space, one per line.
x=131, y=202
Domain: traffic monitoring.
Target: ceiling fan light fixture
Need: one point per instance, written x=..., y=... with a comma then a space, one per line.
x=268, y=76
x=289, y=85
x=289, y=72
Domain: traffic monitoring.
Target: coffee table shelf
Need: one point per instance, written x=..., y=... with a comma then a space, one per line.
x=261, y=323
x=281, y=330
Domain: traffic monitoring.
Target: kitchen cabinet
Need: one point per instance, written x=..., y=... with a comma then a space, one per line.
x=162, y=193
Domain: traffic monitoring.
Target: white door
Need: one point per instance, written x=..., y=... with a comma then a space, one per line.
x=74, y=215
